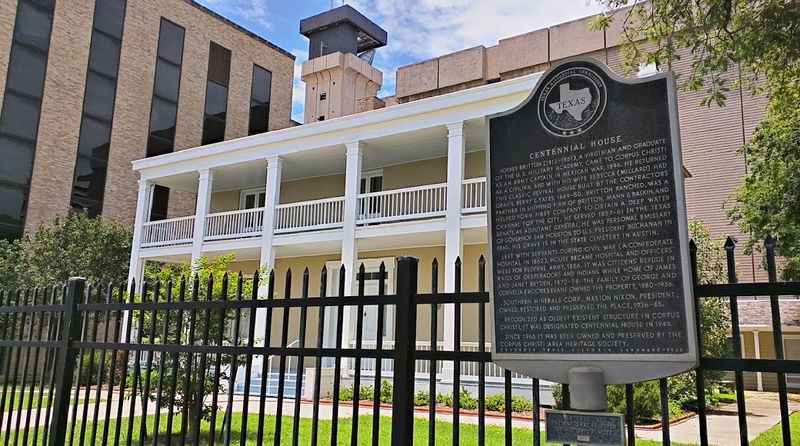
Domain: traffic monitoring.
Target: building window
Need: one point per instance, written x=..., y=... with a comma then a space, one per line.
x=164, y=108
x=89, y=181
x=19, y=118
x=259, y=100
x=252, y=198
x=219, y=70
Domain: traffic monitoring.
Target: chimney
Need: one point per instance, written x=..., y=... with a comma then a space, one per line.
x=339, y=76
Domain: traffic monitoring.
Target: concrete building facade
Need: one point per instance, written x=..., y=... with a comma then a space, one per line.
x=92, y=82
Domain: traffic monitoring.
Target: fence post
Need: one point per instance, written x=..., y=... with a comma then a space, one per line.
x=405, y=344
x=65, y=359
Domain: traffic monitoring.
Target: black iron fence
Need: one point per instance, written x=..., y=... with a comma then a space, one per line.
x=189, y=363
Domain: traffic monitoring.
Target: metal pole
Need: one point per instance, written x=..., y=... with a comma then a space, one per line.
x=406, y=341
x=65, y=359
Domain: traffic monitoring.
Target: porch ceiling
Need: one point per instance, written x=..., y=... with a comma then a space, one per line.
x=378, y=152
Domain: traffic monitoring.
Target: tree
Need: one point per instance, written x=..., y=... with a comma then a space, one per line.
x=172, y=278
x=721, y=35
x=760, y=41
x=76, y=245
x=768, y=202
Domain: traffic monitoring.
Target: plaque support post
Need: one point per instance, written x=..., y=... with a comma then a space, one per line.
x=587, y=389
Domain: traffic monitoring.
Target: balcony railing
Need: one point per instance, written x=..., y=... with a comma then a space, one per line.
x=173, y=231
x=234, y=224
x=474, y=195
x=410, y=203
x=309, y=215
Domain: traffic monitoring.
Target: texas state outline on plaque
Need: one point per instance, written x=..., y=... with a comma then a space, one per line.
x=573, y=102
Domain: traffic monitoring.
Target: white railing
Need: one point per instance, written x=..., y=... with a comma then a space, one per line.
x=309, y=215
x=234, y=224
x=403, y=204
x=173, y=231
x=474, y=195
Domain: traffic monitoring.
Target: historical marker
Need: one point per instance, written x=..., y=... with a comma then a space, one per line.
x=597, y=429
x=589, y=244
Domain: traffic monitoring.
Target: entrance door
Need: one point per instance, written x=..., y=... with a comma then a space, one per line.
x=370, y=322
x=370, y=315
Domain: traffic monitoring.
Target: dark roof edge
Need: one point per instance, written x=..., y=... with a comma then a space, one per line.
x=344, y=13
x=240, y=28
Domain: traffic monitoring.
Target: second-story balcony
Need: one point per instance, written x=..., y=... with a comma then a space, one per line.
x=375, y=208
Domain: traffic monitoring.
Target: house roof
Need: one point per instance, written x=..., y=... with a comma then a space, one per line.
x=757, y=312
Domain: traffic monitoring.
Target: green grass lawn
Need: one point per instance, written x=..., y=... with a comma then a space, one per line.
x=25, y=395
x=494, y=434
x=773, y=436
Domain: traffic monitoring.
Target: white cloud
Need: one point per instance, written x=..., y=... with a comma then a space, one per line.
x=422, y=29
x=253, y=12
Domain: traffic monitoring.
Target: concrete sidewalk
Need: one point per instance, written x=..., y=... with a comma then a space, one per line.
x=763, y=412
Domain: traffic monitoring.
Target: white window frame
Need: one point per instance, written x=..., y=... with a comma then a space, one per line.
x=367, y=176
x=245, y=192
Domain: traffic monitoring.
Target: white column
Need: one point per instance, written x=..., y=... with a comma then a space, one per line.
x=136, y=267
x=454, y=246
x=273, y=194
x=205, y=184
x=351, y=188
x=757, y=351
x=349, y=257
x=143, y=201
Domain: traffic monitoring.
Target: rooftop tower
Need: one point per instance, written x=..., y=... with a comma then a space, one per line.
x=339, y=76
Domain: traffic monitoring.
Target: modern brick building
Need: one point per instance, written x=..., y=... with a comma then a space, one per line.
x=89, y=86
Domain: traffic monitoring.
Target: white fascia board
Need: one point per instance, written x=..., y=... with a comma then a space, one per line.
x=165, y=251
x=430, y=112
x=310, y=237
x=402, y=228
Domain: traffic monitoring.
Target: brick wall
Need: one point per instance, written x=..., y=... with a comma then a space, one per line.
x=62, y=107
x=710, y=136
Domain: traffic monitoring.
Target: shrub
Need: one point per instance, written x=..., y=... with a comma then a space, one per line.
x=422, y=398
x=386, y=392
x=444, y=399
x=520, y=404
x=496, y=402
x=364, y=393
x=466, y=400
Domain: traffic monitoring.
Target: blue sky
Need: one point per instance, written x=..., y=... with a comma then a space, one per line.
x=418, y=29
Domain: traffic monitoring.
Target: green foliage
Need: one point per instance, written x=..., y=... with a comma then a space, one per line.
x=170, y=279
x=717, y=36
x=646, y=401
x=768, y=202
x=367, y=393
x=422, y=398
x=497, y=403
x=91, y=365
x=760, y=41
x=76, y=245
